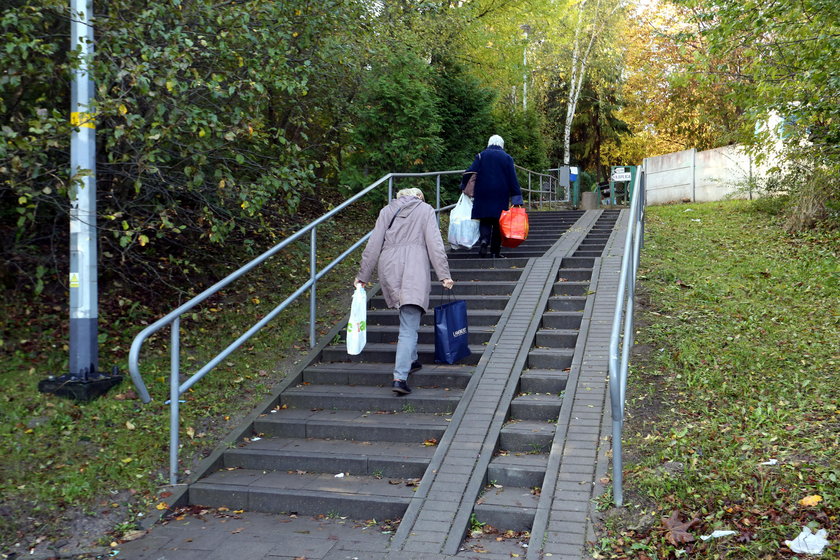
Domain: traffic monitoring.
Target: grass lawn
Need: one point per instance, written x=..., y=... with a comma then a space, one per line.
x=72, y=475
x=732, y=415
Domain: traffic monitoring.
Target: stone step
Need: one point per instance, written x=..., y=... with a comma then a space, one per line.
x=561, y=319
x=550, y=358
x=383, y=352
x=462, y=275
x=517, y=470
x=577, y=262
x=473, y=301
x=543, y=381
x=587, y=253
x=538, y=406
x=566, y=303
x=391, y=459
x=475, y=317
x=352, y=425
x=508, y=508
x=356, y=497
x=388, y=334
x=338, y=397
x=574, y=275
x=470, y=261
x=556, y=338
x=570, y=288
x=472, y=287
x=381, y=374
x=527, y=436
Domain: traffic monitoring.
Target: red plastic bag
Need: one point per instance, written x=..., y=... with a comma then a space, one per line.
x=514, y=226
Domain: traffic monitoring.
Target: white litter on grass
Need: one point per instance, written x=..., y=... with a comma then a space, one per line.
x=256, y=438
x=717, y=535
x=696, y=220
x=689, y=210
x=771, y=462
x=808, y=542
x=340, y=475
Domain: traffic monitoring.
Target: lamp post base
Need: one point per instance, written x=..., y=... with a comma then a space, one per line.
x=82, y=389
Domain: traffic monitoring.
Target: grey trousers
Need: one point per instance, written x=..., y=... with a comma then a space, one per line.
x=410, y=316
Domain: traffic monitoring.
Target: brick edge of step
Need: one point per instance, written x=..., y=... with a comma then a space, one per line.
x=305, y=502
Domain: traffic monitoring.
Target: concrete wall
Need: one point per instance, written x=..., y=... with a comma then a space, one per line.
x=698, y=176
x=670, y=177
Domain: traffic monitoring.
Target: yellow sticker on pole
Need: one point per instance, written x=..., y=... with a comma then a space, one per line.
x=82, y=120
x=74, y=280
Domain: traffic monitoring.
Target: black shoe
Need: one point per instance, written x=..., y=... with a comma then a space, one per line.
x=482, y=251
x=499, y=256
x=415, y=366
x=400, y=387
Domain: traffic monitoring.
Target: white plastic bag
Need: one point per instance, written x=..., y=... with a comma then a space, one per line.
x=463, y=230
x=357, y=325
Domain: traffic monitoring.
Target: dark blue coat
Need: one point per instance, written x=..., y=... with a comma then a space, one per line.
x=496, y=186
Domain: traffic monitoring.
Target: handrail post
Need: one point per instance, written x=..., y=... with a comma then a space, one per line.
x=529, y=197
x=390, y=188
x=529, y=188
x=174, y=396
x=437, y=200
x=313, y=272
x=550, y=195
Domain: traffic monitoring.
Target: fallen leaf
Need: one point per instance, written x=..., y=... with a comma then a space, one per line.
x=235, y=531
x=132, y=535
x=430, y=442
x=161, y=505
x=676, y=530
x=810, y=500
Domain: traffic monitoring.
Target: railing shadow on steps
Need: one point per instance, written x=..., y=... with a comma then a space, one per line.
x=173, y=319
x=619, y=359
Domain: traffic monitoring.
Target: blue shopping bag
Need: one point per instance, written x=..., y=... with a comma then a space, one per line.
x=451, y=332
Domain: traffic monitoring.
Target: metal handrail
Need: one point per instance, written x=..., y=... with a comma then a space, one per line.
x=624, y=306
x=173, y=318
x=552, y=191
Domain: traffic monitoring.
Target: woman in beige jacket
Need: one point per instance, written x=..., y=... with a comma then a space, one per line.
x=406, y=237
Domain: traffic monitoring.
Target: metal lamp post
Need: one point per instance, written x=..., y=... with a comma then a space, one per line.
x=84, y=382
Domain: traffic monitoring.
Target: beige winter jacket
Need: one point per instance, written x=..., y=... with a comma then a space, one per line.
x=402, y=252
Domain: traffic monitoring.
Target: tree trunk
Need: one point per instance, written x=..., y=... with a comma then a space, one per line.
x=579, y=64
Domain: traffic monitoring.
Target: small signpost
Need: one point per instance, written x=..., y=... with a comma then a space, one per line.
x=625, y=175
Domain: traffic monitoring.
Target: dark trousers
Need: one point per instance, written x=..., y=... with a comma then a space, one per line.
x=489, y=232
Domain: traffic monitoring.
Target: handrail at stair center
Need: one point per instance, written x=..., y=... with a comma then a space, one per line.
x=633, y=243
x=173, y=318
x=545, y=179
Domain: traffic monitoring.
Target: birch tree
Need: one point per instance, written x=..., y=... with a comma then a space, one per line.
x=589, y=25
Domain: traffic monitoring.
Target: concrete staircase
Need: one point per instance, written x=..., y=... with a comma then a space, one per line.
x=337, y=442
x=516, y=473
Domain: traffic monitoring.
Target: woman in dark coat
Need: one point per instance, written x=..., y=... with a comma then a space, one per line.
x=496, y=189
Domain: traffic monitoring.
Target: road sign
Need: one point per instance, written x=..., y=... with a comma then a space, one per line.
x=626, y=176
